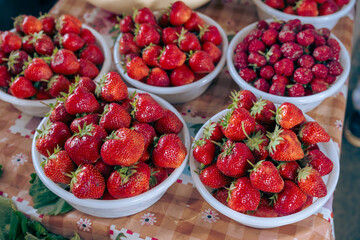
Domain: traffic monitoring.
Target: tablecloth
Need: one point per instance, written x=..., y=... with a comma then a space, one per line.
x=181, y=213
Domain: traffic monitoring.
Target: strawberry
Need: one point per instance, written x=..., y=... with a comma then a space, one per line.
x=179, y=13
x=81, y=101
x=111, y=88
x=124, y=147
x=169, y=152
x=31, y=25
x=58, y=167
x=214, y=52
x=114, y=117
x=129, y=181
x=319, y=161
x=145, y=34
x=194, y=23
x=151, y=54
x=144, y=15
x=278, y=4
x=170, y=35
x=126, y=24
x=237, y=124
x=127, y=44
x=201, y=62
x=312, y=132
x=50, y=137
x=164, y=21
x=284, y=145
x=146, y=109
x=171, y=57
x=10, y=42
x=262, y=85
x=307, y=8
x=78, y=123
x=234, y=159
x=22, y=87
x=64, y=62
x=87, y=69
x=72, y=42
x=288, y=170
x=43, y=44
x=58, y=113
x=221, y=195
x=306, y=61
x=284, y=67
x=303, y=76
x=87, y=36
x=37, y=70
x=2, y=57
x=92, y=53
x=57, y=85
x=5, y=76
x=84, y=146
x=264, y=112
x=158, y=77
x=210, y=34
x=265, y=209
x=291, y=50
x=329, y=7
x=87, y=83
x=181, y=76
x=290, y=199
x=158, y=175
x=137, y=69
x=204, y=151
x=68, y=23
x=103, y=168
x=48, y=24
x=320, y=71
x=265, y=177
x=247, y=74
x=243, y=98
x=311, y=183
x=147, y=131
x=258, y=145
x=169, y=123
x=188, y=41
x=243, y=196
x=269, y=37
x=277, y=88
x=212, y=177
x=43, y=92
x=213, y=131
x=288, y=115
x=87, y=182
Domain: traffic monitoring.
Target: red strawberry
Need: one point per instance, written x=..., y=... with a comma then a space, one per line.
x=87, y=83
x=307, y=8
x=169, y=123
x=10, y=42
x=64, y=62
x=129, y=181
x=151, y=55
x=169, y=152
x=92, y=53
x=288, y=170
x=50, y=137
x=237, y=124
x=81, y=101
x=181, y=76
x=319, y=161
x=58, y=167
x=158, y=175
x=210, y=34
x=43, y=93
x=127, y=44
x=221, y=195
x=291, y=50
x=43, y=44
x=311, y=183
x=306, y=61
x=123, y=148
x=147, y=131
x=164, y=21
x=68, y=23
x=329, y=7
x=31, y=25
x=258, y=145
x=37, y=70
x=114, y=117
x=303, y=75
x=278, y=4
x=179, y=13
x=213, y=131
x=284, y=145
x=22, y=87
x=284, y=67
x=112, y=88
x=84, y=146
x=72, y=42
x=78, y=123
x=104, y=169
x=188, y=41
x=201, y=62
x=87, y=36
x=288, y=115
x=214, y=52
x=87, y=182
x=58, y=113
x=194, y=23
x=57, y=85
x=290, y=199
x=126, y=24
x=265, y=177
x=146, y=34
x=264, y=113
x=144, y=15
x=158, y=77
x=87, y=69
x=48, y=24
x=234, y=159
x=137, y=69
x=170, y=35
x=212, y=177
x=171, y=57
x=146, y=109
x=265, y=209
x=5, y=76
x=312, y=132
x=243, y=196
x=244, y=99
x=204, y=151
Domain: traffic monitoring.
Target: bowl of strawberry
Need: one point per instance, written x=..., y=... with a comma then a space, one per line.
x=175, y=55
x=288, y=62
x=42, y=56
x=264, y=165
x=320, y=13
x=112, y=151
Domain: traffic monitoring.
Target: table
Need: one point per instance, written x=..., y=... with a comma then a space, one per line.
x=181, y=213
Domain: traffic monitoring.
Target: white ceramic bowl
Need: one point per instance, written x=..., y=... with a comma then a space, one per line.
x=177, y=94
x=329, y=21
x=261, y=222
x=119, y=207
x=305, y=103
x=39, y=108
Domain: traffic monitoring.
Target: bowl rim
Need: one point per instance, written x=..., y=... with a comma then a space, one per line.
x=340, y=80
x=116, y=203
x=43, y=103
x=271, y=222
x=176, y=89
x=274, y=12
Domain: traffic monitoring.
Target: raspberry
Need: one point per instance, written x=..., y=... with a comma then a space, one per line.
x=319, y=40
x=308, y=26
x=329, y=79
x=319, y=70
x=276, y=25
x=303, y=75
x=262, y=25
x=284, y=67
x=325, y=32
x=247, y=74
x=254, y=34
x=241, y=47
x=293, y=25
x=296, y=90
x=262, y=85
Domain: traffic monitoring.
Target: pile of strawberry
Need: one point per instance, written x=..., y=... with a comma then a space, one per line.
x=261, y=160
x=288, y=58
x=177, y=49
x=307, y=8
x=107, y=145
x=42, y=57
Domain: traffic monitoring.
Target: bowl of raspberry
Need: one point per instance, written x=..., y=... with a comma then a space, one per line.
x=264, y=165
x=320, y=13
x=175, y=55
x=40, y=61
x=112, y=153
x=288, y=62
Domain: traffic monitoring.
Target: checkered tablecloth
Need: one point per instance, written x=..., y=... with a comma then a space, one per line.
x=181, y=213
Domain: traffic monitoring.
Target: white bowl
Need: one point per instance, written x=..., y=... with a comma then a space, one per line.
x=39, y=108
x=119, y=207
x=183, y=93
x=305, y=103
x=262, y=222
x=329, y=21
